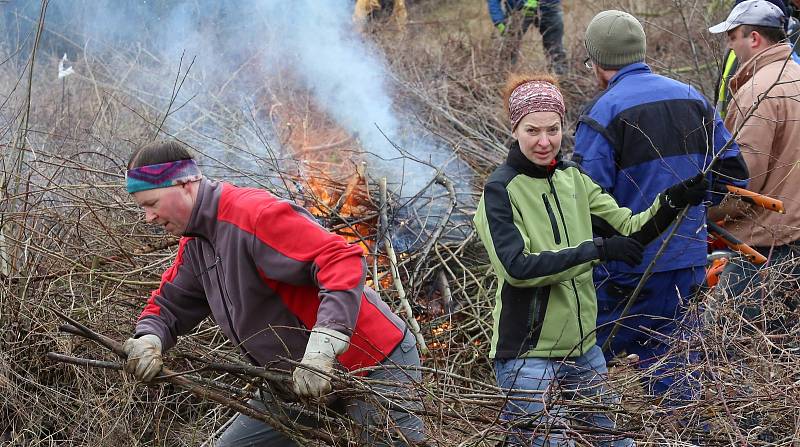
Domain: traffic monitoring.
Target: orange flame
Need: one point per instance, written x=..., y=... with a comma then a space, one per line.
x=331, y=171
x=332, y=185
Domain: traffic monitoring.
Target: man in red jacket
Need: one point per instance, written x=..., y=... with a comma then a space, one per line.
x=278, y=284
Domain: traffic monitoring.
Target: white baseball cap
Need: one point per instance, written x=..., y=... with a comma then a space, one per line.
x=751, y=12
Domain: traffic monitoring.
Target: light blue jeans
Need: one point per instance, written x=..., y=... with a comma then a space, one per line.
x=534, y=387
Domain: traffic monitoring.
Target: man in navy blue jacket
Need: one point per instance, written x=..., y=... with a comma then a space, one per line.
x=643, y=133
x=546, y=15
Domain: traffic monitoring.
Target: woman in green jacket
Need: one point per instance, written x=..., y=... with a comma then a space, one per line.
x=536, y=219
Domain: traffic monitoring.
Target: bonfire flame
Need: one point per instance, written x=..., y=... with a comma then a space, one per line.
x=332, y=172
x=332, y=185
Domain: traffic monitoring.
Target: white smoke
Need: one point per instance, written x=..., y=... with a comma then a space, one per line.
x=348, y=78
x=313, y=39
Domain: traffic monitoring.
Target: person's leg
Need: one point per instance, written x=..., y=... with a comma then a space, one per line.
x=651, y=326
x=511, y=41
x=529, y=19
x=665, y=343
x=778, y=300
x=612, y=296
x=738, y=276
x=551, y=26
x=756, y=290
x=586, y=377
x=244, y=431
x=396, y=413
x=527, y=383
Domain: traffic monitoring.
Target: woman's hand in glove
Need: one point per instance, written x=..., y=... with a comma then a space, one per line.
x=620, y=248
x=688, y=192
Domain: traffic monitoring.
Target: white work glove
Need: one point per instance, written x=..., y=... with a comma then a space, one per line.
x=144, y=356
x=321, y=351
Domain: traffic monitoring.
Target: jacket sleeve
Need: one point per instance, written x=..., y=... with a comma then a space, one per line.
x=496, y=11
x=608, y=218
x=290, y=247
x=498, y=224
x=757, y=134
x=177, y=306
x=595, y=154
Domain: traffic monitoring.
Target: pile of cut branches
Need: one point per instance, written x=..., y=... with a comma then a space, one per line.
x=78, y=261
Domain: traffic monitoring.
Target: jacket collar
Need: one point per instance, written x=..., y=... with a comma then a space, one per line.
x=520, y=163
x=776, y=53
x=629, y=70
x=202, y=222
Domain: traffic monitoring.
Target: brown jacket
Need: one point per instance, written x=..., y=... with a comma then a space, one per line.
x=770, y=143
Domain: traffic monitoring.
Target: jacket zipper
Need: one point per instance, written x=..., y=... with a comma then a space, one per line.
x=566, y=235
x=552, y=216
x=217, y=267
x=222, y=291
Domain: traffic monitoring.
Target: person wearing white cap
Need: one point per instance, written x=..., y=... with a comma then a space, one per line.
x=752, y=12
x=731, y=62
x=764, y=109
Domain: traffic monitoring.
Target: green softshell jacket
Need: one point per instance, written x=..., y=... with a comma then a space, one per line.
x=537, y=225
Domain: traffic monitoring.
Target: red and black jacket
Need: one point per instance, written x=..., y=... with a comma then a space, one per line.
x=267, y=272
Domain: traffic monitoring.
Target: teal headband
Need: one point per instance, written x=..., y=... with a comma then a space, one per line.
x=162, y=175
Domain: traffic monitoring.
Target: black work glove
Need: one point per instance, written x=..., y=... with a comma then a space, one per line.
x=620, y=248
x=688, y=192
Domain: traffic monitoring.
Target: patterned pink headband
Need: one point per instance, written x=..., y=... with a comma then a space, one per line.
x=534, y=96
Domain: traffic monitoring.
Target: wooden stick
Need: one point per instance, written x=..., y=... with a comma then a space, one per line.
x=401, y=292
x=444, y=181
x=279, y=423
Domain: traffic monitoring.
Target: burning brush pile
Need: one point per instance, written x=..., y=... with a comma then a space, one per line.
x=327, y=171
x=77, y=260
x=78, y=264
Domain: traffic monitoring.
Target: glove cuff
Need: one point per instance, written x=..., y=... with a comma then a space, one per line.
x=666, y=200
x=601, y=248
x=153, y=340
x=328, y=342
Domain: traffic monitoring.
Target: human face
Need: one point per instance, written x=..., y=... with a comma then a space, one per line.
x=169, y=207
x=740, y=44
x=539, y=136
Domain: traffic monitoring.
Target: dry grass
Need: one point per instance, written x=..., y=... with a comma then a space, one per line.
x=74, y=241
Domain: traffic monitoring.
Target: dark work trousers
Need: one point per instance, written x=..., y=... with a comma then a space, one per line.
x=778, y=280
x=660, y=310
x=767, y=296
x=550, y=22
x=242, y=431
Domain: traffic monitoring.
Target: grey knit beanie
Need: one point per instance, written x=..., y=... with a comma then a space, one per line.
x=615, y=39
